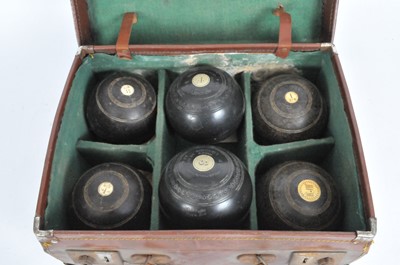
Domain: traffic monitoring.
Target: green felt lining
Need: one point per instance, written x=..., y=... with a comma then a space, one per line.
x=206, y=21
x=77, y=149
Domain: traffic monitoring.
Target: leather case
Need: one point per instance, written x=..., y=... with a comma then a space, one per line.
x=248, y=39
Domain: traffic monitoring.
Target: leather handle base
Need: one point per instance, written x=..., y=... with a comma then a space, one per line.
x=285, y=32
x=122, y=46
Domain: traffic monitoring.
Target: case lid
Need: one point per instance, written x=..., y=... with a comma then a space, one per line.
x=207, y=21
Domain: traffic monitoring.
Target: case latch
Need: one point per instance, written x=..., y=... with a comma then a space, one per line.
x=256, y=259
x=285, y=32
x=316, y=258
x=124, y=35
x=151, y=259
x=88, y=257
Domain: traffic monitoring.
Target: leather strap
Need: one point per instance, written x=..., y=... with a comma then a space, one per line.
x=124, y=35
x=285, y=32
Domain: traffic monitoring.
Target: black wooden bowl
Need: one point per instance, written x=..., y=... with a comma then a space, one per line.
x=204, y=105
x=298, y=195
x=288, y=108
x=122, y=109
x=111, y=196
x=205, y=187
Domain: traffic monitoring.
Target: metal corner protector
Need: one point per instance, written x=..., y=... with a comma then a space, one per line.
x=43, y=236
x=367, y=236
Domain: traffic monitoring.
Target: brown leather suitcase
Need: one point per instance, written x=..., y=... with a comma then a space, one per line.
x=248, y=39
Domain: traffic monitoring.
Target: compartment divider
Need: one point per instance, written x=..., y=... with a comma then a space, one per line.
x=251, y=150
x=302, y=149
x=105, y=152
x=158, y=150
x=312, y=150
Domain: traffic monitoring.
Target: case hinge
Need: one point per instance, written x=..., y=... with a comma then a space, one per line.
x=124, y=35
x=85, y=50
x=285, y=32
x=327, y=46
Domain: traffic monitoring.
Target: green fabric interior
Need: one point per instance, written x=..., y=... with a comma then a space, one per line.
x=77, y=150
x=206, y=21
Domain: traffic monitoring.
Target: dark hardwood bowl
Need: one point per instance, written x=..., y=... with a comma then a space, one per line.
x=298, y=195
x=204, y=105
x=111, y=196
x=122, y=109
x=205, y=187
x=288, y=108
